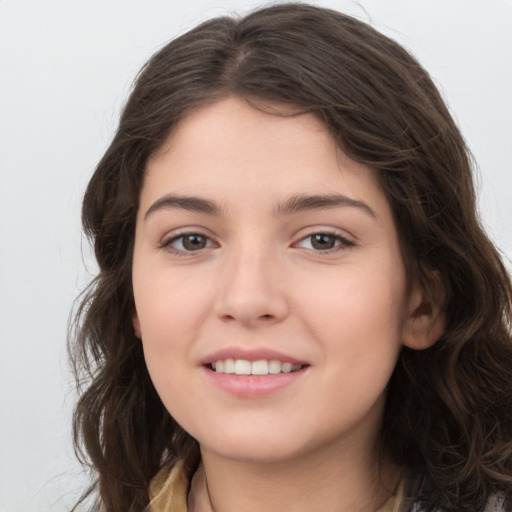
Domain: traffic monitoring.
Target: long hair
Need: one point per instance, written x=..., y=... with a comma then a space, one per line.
x=448, y=415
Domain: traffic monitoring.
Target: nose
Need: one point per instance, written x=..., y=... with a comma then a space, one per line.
x=251, y=290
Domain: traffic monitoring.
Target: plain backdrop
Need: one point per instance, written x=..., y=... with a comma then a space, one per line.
x=66, y=68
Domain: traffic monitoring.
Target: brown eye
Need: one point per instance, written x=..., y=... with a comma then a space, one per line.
x=194, y=242
x=323, y=241
x=186, y=243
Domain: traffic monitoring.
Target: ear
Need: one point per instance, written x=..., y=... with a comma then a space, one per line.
x=426, y=320
x=136, y=324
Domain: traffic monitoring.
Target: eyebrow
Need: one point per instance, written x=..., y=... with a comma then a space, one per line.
x=305, y=202
x=194, y=204
x=294, y=204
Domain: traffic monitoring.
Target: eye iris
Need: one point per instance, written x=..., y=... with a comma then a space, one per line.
x=194, y=242
x=322, y=241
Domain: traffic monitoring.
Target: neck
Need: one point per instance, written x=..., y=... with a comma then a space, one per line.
x=335, y=479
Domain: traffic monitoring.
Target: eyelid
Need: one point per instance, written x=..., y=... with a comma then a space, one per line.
x=346, y=240
x=166, y=241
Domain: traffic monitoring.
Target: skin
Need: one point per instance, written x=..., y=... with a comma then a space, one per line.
x=258, y=281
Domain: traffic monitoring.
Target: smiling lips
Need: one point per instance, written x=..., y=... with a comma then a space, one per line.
x=253, y=373
x=260, y=367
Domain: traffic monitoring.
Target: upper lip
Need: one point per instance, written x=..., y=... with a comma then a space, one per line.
x=249, y=355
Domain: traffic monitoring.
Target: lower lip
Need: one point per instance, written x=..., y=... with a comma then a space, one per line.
x=253, y=386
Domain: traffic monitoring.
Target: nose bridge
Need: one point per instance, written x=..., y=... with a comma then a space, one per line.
x=251, y=290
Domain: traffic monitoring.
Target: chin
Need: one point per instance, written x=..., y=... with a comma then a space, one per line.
x=256, y=447
x=253, y=454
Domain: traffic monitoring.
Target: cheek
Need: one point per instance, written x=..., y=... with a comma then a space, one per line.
x=165, y=339
x=358, y=300
x=166, y=322
x=361, y=337
x=170, y=322
x=169, y=307
x=358, y=318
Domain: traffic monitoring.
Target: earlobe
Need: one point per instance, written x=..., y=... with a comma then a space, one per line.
x=136, y=325
x=425, y=322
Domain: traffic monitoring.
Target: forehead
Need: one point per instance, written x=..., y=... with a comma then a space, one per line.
x=231, y=151
x=232, y=128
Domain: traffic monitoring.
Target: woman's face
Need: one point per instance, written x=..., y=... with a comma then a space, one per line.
x=269, y=285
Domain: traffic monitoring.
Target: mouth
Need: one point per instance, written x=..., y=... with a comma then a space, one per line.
x=253, y=374
x=254, y=368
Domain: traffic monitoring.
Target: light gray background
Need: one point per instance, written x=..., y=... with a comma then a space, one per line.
x=65, y=69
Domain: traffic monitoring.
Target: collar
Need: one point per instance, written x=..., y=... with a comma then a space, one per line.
x=169, y=492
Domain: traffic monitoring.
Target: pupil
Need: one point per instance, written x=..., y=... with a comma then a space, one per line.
x=194, y=242
x=322, y=241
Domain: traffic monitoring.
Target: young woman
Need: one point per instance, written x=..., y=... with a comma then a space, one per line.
x=297, y=308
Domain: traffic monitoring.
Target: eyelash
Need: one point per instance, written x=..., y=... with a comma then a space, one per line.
x=341, y=242
x=167, y=246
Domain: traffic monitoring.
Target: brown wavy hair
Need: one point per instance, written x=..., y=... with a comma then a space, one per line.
x=448, y=416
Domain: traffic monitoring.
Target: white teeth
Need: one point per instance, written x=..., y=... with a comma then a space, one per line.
x=274, y=366
x=261, y=367
x=229, y=366
x=242, y=367
x=287, y=367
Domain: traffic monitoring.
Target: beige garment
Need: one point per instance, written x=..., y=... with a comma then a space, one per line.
x=169, y=491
